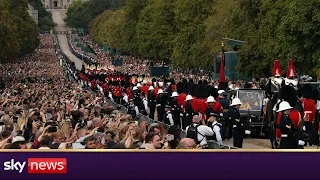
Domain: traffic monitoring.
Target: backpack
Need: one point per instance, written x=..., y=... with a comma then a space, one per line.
x=214, y=135
x=192, y=133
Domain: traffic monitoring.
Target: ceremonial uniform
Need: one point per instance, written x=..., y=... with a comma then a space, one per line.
x=160, y=107
x=309, y=109
x=176, y=110
x=237, y=125
x=288, y=136
x=189, y=115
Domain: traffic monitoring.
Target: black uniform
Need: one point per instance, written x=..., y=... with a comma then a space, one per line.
x=132, y=110
x=238, y=129
x=176, y=110
x=225, y=119
x=152, y=102
x=161, y=103
x=288, y=134
x=189, y=115
x=136, y=99
x=167, y=117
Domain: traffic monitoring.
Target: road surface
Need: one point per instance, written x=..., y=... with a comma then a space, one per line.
x=57, y=16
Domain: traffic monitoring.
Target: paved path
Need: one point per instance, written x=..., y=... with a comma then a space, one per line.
x=57, y=16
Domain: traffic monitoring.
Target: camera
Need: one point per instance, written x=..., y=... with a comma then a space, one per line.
x=52, y=129
x=15, y=119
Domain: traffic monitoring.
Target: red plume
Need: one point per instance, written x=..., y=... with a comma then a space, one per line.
x=276, y=68
x=291, y=72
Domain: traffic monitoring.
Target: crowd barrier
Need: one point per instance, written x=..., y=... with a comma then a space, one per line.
x=85, y=58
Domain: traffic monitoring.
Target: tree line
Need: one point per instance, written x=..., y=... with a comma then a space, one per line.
x=188, y=32
x=18, y=31
x=45, y=21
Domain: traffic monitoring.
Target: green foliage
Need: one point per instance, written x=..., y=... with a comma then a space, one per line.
x=79, y=15
x=189, y=48
x=45, y=22
x=155, y=29
x=18, y=31
x=189, y=32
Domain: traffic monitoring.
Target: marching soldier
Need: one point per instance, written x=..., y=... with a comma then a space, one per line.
x=176, y=109
x=152, y=102
x=143, y=105
x=160, y=105
x=288, y=139
x=136, y=96
x=210, y=110
x=189, y=113
x=237, y=123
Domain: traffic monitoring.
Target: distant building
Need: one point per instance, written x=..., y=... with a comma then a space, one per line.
x=58, y=4
x=33, y=13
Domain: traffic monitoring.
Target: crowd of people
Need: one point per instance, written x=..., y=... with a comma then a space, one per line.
x=43, y=108
x=46, y=103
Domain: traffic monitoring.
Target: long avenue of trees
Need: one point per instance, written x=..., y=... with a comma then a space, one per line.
x=188, y=32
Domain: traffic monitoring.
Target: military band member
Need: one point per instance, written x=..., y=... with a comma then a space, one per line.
x=168, y=119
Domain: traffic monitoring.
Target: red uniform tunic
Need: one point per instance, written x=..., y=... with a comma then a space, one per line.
x=145, y=90
x=294, y=116
x=309, y=108
x=116, y=91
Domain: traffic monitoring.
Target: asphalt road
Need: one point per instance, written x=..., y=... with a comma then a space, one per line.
x=57, y=16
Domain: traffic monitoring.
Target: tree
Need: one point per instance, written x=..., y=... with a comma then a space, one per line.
x=189, y=49
x=45, y=22
x=26, y=27
x=155, y=29
x=8, y=35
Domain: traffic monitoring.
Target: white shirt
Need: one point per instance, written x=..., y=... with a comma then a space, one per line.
x=169, y=116
x=203, y=131
x=318, y=105
x=145, y=103
x=125, y=98
x=110, y=96
x=216, y=130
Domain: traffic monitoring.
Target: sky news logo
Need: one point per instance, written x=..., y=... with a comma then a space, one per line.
x=38, y=165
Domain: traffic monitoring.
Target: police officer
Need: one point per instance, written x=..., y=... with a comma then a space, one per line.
x=133, y=109
x=289, y=138
x=225, y=119
x=143, y=105
x=176, y=109
x=237, y=123
x=216, y=127
x=152, y=102
x=168, y=119
x=189, y=113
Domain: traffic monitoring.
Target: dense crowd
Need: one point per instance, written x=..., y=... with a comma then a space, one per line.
x=42, y=108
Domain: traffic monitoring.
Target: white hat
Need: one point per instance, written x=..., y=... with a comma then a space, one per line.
x=160, y=84
x=189, y=97
x=284, y=105
x=160, y=91
x=154, y=83
x=211, y=99
x=17, y=139
x=135, y=88
x=43, y=148
x=138, y=85
x=235, y=101
x=221, y=91
x=216, y=87
x=150, y=88
x=174, y=94
x=169, y=83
